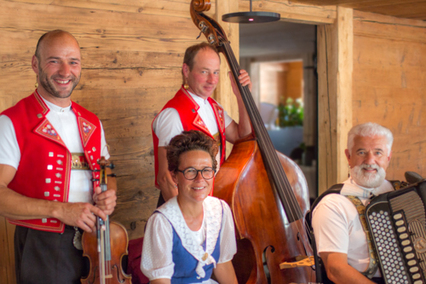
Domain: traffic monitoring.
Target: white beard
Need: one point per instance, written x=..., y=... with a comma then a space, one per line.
x=369, y=180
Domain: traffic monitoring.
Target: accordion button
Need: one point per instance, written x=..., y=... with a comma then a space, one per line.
x=418, y=282
x=414, y=269
x=405, y=243
x=409, y=256
x=408, y=249
x=416, y=276
x=397, y=216
x=399, y=223
x=411, y=262
x=401, y=229
x=403, y=236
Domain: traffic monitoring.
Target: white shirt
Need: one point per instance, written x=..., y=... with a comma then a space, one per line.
x=65, y=123
x=168, y=123
x=157, y=259
x=337, y=227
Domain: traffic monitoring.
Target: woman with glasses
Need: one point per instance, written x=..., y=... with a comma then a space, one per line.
x=192, y=235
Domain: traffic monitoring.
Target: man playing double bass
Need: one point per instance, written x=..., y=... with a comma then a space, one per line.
x=340, y=238
x=49, y=146
x=192, y=108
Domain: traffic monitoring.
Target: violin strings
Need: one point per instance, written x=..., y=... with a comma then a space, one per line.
x=270, y=158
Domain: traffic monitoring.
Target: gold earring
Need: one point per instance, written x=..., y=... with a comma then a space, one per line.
x=36, y=83
x=186, y=86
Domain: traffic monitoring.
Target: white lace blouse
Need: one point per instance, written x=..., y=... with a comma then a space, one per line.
x=157, y=259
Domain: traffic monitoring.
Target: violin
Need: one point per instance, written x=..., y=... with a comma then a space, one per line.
x=105, y=247
x=266, y=191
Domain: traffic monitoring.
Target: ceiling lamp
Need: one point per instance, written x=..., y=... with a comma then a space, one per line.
x=251, y=17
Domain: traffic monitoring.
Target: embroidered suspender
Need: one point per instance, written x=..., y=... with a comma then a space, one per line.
x=373, y=265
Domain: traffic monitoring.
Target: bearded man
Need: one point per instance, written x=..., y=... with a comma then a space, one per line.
x=339, y=234
x=49, y=148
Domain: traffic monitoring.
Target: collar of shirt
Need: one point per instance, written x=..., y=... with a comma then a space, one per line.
x=199, y=100
x=56, y=108
x=350, y=187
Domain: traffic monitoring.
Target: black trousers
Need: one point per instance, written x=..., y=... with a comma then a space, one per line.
x=47, y=258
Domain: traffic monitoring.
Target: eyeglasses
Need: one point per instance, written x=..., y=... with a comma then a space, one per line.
x=191, y=173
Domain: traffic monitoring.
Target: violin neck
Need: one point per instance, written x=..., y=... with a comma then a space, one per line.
x=273, y=166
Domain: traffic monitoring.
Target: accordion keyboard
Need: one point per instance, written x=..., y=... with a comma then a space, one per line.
x=398, y=229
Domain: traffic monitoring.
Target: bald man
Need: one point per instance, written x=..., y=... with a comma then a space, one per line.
x=49, y=148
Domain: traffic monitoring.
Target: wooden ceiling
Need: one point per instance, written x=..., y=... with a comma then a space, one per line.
x=410, y=9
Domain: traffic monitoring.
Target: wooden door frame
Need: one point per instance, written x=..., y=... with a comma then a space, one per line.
x=335, y=65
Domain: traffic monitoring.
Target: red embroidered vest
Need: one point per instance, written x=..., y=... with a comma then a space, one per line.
x=188, y=112
x=45, y=167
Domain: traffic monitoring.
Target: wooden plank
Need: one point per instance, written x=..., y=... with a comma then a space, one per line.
x=7, y=263
x=100, y=23
x=159, y=7
x=396, y=99
x=292, y=11
x=344, y=87
x=385, y=27
x=335, y=57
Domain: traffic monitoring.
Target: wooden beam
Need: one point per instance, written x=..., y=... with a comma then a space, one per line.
x=223, y=93
x=7, y=261
x=294, y=12
x=335, y=61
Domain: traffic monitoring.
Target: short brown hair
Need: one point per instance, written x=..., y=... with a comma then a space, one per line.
x=189, y=141
x=192, y=51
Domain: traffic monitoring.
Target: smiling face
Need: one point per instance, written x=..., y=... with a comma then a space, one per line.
x=193, y=191
x=58, y=66
x=368, y=159
x=204, y=76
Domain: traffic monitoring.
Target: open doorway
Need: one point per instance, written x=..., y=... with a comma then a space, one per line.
x=281, y=59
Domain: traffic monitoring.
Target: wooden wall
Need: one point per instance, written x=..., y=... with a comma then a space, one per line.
x=389, y=85
x=132, y=53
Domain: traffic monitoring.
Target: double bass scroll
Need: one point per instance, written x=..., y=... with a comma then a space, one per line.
x=266, y=191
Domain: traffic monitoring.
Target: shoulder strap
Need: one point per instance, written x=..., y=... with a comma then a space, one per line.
x=334, y=189
x=321, y=275
x=373, y=264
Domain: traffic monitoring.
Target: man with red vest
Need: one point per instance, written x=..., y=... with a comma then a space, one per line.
x=192, y=108
x=49, y=148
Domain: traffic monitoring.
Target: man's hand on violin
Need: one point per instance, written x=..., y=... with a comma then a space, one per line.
x=82, y=215
x=106, y=200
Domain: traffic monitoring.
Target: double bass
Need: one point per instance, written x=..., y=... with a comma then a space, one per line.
x=266, y=191
x=105, y=247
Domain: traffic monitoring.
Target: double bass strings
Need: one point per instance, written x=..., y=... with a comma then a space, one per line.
x=280, y=181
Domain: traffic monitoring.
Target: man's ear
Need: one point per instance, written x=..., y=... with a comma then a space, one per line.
x=185, y=70
x=34, y=64
x=348, y=155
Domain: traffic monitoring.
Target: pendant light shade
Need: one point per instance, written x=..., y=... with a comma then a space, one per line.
x=251, y=17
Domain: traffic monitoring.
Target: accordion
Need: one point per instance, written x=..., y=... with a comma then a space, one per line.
x=397, y=223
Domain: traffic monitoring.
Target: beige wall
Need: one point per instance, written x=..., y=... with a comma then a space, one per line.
x=389, y=85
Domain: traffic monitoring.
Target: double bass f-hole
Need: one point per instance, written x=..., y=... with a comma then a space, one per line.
x=105, y=247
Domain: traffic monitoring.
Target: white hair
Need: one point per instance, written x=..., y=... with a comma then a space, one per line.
x=370, y=129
